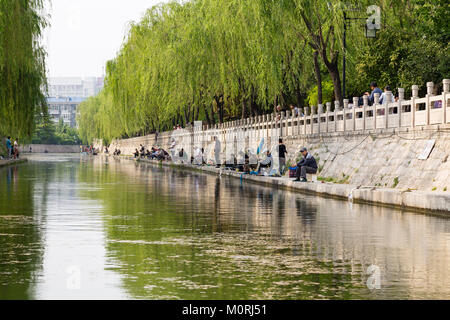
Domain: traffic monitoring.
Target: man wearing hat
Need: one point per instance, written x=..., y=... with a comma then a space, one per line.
x=307, y=165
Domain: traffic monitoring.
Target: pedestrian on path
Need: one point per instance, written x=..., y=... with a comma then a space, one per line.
x=282, y=151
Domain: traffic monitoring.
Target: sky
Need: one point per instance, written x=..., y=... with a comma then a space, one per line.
x=84, y=34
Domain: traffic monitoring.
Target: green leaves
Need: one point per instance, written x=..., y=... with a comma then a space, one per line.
x=22, y=66
x=219, y=60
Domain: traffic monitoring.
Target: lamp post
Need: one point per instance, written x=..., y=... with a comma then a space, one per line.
x=370, y=32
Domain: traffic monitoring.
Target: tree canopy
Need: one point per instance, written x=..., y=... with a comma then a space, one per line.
x=22, y=66
x=216, y=60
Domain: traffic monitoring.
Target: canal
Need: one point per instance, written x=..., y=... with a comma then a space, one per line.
x=74, y=227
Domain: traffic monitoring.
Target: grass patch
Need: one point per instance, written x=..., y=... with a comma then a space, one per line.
x=344, y=180
x=325, y=179
x=396, y=181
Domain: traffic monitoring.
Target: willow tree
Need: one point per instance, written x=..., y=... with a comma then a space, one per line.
x=22, y=66
x=217, y=60
x=203, y=59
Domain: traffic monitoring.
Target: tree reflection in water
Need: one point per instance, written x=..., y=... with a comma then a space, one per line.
x=165, y=233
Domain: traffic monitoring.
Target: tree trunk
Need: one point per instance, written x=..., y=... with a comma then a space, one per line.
x=186, y=117
x=213, y=119
x=207, y=115
x=244, y=108
x=197, y=114
x=298, y=96
x=333, y=70
x=318, y=78
x=187, y=114
x=335, y=76
x=219, y=107
x=283, y=100
x=253, y=107
x=222, y=110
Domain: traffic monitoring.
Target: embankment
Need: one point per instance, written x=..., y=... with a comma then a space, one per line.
x=422, y=201
x=383, y=158
x=46, y=148
x=5, y=163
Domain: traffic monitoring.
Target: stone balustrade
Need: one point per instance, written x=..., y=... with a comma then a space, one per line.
x=313, y=120
x=317, y=120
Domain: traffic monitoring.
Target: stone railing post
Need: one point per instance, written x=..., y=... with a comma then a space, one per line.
x=319, y=117
x=287, y=118
x=337, y=106
x=377, y=98
x=355, y=108
x=306, y=120
x=262, y=121
x=445, y=94
x=401, y=98
x=345, y=113
x=375, y=105
x=446, y=85
x=365, y=101
x=415, y=95
x=272, y=124
x=336, y=110
x=365, y=106
x=328, y=115
x=386, y=110
x=293, y=123
x=264, y=125
x=430, y=87
x=313, y=113
x=299, y=117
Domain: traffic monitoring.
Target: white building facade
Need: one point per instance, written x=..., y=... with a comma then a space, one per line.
x=64, y=108
x=75, y=87
x=66, y=93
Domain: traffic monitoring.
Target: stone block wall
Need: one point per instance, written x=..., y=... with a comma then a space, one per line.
x=365, y=145
x=383, y=158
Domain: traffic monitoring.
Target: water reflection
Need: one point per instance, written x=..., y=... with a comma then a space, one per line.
x=198, y=236
x=20, y=235
x=137, y=231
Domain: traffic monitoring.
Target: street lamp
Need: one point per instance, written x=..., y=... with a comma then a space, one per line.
x=370, y=32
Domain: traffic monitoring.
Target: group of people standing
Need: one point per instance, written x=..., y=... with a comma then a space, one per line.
x=12, y=148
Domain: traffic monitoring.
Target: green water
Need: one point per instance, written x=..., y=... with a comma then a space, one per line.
x=75, y=227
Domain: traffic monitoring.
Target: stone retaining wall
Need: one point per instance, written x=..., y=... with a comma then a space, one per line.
x=44, y=148
x=428, y=202
x=378, y=146
x=382, y=158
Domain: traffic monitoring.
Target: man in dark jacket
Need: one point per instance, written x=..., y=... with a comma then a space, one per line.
x=307, y=165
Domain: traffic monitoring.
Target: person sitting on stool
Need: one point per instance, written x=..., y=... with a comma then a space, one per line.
x=307, y=165
x=266, y=163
